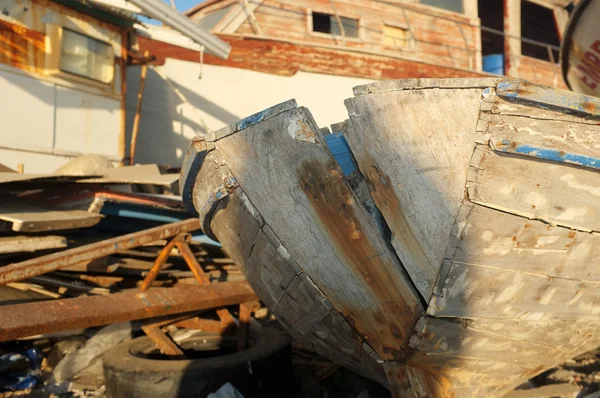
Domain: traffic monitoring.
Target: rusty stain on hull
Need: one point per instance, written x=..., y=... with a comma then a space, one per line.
x=388, y=204
x=387, y=328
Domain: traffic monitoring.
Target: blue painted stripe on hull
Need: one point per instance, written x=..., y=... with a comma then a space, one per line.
x=553, y=155
x=548, y=97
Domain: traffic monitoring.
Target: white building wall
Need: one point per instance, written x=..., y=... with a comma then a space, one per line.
x=45, y=124
x=177, y=105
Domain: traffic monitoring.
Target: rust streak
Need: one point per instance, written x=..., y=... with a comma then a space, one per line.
x=388, y=327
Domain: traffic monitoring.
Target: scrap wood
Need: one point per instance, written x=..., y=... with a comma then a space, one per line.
x=66, y=258
x=26, y=216
x=28, y=319
x=92, y=198
x=550, y=390
x=20, y=243
x=7, y=177
x=147, y=174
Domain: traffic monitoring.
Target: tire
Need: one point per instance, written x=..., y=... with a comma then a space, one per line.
x=132, y=369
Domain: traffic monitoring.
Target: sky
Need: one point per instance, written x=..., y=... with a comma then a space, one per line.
x=183, y=5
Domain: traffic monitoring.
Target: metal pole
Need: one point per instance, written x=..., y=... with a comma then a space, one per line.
x=29, y=319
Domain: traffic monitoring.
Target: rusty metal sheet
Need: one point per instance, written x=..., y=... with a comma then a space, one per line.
x=55, y=261
x=29, y=319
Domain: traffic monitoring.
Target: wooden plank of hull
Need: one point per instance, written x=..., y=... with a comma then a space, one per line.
x=519, y=244
x=568, y=136
x=501, y=106
x=293, y=181
x=277, y=278
x=450, y=338
x=418, y=193
x=573, y=337
x=554, y=192
x=473, y=290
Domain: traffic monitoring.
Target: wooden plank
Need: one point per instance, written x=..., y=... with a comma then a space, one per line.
x=28, y=217
x=317, y=218
x=469, y=377
x=552, y=390
x=572, y=337
x=423, y=83
x=454, y=338
x=540, y=95
x=506, y=106
x=554, y=192
x=487, y=237
x=473, y=291
x=270, y=268
x=16, y=244
x=11, y=177
x=567, y=136
x=415, y=160
x=147, y=174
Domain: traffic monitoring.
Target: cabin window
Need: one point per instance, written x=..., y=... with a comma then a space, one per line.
x=396, y=36
x=537, y=23
x=450, y=5
x=327, y=23
x=85, y=56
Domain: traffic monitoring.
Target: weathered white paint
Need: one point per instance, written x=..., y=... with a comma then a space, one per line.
x=45, y=124
x=179, y=105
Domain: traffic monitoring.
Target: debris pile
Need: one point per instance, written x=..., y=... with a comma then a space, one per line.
x=91, y=245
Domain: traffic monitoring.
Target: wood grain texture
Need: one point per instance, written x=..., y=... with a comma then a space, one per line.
x=498, y=106
x=415, y=160
x=284, y=287
x=553, y=192
x=29, y=217
x=473, y=291
x=301, y=194
x=16, y=244
x=491, y=238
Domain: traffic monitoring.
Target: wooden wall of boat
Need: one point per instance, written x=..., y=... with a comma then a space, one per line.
x=539, y=71
x=431, y=34
x=513, y=290
x=462, y=259
x=286, y=59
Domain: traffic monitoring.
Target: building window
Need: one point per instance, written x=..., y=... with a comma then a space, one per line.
x=327, y=23
x=537, y=23
x=396, y=37
x=84, y=56
x=450, y=5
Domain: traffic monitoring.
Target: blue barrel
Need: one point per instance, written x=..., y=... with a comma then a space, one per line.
x=494, y=63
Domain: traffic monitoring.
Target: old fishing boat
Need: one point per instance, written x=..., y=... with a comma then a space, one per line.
x=456, y=251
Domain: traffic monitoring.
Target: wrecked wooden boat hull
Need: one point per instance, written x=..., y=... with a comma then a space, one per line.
x=458, y=258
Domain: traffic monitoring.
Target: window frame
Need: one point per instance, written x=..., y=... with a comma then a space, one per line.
x=411, y=44
x=311, y=32
x=82, y=76
x=465, y=6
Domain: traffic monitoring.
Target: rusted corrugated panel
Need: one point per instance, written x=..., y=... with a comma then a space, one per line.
x=29, y=319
